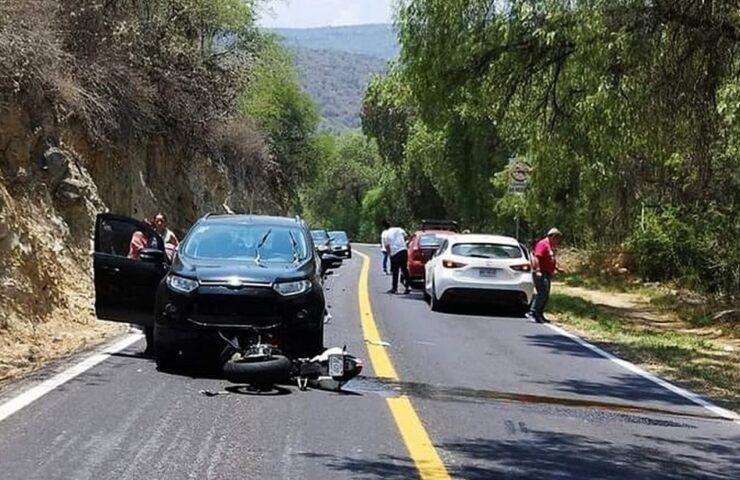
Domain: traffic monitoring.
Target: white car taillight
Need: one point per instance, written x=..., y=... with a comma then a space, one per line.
x=451, y=264
x=524, y=267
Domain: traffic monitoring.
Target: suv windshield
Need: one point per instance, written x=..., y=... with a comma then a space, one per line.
x=268, y=244
x=339, y=236
x=320, y=235
x=486, y=250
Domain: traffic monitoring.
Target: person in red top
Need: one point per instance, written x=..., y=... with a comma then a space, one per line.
x=139, y=241
x=544, y=266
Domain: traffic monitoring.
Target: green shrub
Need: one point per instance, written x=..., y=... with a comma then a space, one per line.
x=658, y=245
x=696, y=248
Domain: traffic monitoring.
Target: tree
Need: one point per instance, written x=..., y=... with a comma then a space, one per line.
x=335, y=196
x=273, y=97
x=619, y=105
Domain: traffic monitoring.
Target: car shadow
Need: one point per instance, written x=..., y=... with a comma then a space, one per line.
x=476, y=309
x=259, y=391
x=139, y=355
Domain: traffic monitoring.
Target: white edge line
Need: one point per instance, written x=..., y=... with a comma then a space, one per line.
x=31, y=395
x=722, y=412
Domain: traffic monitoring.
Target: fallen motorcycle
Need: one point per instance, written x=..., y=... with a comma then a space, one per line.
x=260, y=363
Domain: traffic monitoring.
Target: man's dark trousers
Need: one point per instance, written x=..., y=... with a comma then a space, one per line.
x=399, y=261
x=542, y=285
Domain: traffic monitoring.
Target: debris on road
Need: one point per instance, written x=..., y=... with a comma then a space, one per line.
x=211, y=393
x=379, y=343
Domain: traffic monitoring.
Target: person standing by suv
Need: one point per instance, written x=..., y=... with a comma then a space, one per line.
x=394, y=243
x=544, y=266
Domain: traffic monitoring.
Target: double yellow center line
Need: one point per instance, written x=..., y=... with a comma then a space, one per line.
x=419, y=445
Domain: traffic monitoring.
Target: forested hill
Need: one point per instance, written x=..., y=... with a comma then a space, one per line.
x=335, y=64
x=336, y=81
x=374, y=40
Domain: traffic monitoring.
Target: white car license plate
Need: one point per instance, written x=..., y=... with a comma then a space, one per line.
x=487, y=272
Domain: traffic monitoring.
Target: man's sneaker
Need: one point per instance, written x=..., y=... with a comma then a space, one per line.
x=407, y=291
x=533, y=317
x=543, y=319
x=392, y=291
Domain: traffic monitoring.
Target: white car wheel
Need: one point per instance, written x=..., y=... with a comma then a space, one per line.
x=434, y=303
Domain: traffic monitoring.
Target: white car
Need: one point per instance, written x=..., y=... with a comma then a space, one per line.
x=479, y=268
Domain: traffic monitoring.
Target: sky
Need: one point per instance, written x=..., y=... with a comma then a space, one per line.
x=322, y=13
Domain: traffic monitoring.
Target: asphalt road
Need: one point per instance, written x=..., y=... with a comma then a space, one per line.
x=499, y=397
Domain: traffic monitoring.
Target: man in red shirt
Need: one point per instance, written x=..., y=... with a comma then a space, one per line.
x=544, y=266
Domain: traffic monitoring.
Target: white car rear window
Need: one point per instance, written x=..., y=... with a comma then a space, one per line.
x=486, y=250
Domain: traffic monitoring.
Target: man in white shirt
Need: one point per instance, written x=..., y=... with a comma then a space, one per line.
x=394, y=243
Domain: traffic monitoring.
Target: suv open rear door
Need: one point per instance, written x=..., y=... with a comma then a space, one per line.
x=129, y=263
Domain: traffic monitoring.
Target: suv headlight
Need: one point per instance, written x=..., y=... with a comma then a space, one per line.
x=292, y=288
x=181, y=284
x=323, y=248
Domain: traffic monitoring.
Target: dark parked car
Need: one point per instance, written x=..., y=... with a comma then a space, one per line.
x=340, y=244
x=240, y=277
x=321, y=239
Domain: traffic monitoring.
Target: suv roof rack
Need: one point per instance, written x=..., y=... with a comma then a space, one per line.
x=429, y=224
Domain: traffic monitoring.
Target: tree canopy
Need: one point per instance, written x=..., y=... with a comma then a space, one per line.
x=624, y=109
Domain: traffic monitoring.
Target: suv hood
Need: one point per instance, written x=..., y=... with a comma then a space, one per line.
x=246, y=271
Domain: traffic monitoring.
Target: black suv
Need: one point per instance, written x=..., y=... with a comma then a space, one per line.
x=236, y=277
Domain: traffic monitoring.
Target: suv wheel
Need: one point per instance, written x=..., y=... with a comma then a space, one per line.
x=165, y=353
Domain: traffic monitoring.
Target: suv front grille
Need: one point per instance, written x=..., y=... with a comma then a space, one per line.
x=235, y=310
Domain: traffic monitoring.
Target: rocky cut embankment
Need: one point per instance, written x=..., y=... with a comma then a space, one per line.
x=86, y=128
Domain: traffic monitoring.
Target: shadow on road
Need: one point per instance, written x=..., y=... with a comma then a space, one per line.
x=538, y=454
x=561, y=345
x=387, y=467
x=626, y=387
x=464, y=308
x=267, y=391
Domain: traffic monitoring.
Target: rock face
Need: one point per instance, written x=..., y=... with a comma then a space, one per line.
x=53, y=182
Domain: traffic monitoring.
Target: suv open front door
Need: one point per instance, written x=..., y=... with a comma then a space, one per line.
x=128, y=263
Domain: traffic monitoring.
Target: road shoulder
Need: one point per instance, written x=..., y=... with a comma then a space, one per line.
x=657, y=340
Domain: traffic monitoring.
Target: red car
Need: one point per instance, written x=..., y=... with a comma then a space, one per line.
x=423, y=243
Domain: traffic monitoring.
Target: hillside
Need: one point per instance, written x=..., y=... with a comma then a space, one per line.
x=336, y=81
x=373, y=40
x=335, y=64
x=131, y=129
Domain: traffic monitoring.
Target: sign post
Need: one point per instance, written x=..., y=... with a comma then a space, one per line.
x=520, y=171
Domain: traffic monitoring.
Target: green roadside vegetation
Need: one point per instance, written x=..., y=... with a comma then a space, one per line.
x=689, y=337
x=628, y=116
x=699, y=354
x=627, y=113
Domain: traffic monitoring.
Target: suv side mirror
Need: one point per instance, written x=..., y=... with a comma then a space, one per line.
x=152, y=255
